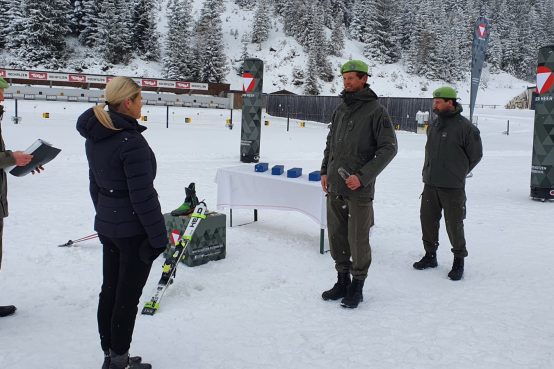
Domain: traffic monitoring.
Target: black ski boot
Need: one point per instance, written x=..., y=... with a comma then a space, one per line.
x=457, y=269
x=133, y=360
x=427, y=261
x=7, y=310
x=339, y=289
x=354, y=295
x=125, y=362
x=189, y=204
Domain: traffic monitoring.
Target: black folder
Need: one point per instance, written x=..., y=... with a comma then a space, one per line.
x=42, y=153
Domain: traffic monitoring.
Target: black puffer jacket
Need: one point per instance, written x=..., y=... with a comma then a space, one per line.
x=122, y=171
x=453, y=149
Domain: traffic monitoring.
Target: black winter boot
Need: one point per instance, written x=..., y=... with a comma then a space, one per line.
x=457, y=269
x=354, y=294
x=191, y=200
x=7, y=310
x=429, y=260
x=339, y=289
x=124, y=362
x=133, y=360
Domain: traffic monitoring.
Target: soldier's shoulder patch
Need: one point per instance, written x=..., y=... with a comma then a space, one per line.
x=387, y=122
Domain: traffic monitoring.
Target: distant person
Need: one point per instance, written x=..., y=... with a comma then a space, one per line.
x=7, y=159
x=360, y=144
x=129, y=221
x=453, y=149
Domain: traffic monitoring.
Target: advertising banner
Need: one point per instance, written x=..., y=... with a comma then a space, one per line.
x=480, y=41
x=542, y=165
x=251, y=110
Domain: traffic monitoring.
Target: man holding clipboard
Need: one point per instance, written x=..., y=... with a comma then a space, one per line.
x=8, y=158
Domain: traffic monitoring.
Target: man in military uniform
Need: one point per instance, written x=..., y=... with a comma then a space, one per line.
x=453, y=149
x=7, y=159
x=360, y=144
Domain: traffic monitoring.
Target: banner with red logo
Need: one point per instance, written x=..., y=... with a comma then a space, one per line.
x=77, y=78
x=480, y=42
x=149, y=83
x=38, y=75
x=85, y=78
x=542, y=163
x=251, y=110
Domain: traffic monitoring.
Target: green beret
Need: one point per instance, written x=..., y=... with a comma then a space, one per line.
x=3, y=83
x=445, y=92
x=354, y=66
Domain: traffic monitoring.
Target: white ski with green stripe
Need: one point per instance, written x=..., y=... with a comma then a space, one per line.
x=172, y=261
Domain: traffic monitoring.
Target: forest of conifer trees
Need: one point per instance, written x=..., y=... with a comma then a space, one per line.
x=431, y=38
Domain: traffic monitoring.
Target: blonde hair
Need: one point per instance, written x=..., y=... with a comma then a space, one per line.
x=117, y=91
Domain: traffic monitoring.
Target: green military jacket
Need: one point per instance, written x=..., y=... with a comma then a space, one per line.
x=453, y=149
x=361, y=140
x=6, y=160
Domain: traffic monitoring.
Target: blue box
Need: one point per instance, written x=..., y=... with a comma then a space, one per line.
x=314, y=176
x=261, y=167
x=294, y=172
x=277, y=170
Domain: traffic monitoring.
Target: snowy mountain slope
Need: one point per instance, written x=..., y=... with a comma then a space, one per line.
x=281, y=54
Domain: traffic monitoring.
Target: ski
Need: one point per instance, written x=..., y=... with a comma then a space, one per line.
x=172, y=261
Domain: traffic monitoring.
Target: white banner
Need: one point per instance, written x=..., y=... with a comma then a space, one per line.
x=85, y=78
x=58, y=77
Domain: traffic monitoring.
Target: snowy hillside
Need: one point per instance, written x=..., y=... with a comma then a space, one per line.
x=282, y=54
x=386, y=80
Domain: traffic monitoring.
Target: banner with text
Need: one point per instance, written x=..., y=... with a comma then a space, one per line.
x=253, y=74
x=95, y=79
x=542, y=165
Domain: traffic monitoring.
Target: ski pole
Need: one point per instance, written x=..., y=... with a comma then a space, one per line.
x=85, y=238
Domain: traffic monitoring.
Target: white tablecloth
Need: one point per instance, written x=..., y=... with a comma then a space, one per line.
x=242, y=187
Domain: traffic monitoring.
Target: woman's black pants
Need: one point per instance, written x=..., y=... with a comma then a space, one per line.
x=125, y=275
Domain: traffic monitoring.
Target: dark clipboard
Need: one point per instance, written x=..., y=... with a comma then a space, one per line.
x=42, y=152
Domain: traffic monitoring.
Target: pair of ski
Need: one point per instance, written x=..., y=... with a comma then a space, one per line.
x=172, y=261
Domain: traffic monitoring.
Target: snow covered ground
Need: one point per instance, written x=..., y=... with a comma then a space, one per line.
x=261, y=307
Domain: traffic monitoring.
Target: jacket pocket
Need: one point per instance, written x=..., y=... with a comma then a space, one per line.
x=115, y=210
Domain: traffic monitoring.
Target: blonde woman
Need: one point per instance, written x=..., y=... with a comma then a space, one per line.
x=129, y=221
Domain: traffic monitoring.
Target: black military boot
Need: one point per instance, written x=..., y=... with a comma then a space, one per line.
x=339, y=289
x=124, y=362
x=429, y=260
x=7, y=310
x=354, y=294
x=133, y=360
x=457, y=269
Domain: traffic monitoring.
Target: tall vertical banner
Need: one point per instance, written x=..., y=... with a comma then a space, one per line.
x=542, y=165
x=253, y=73
x=480, y=42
